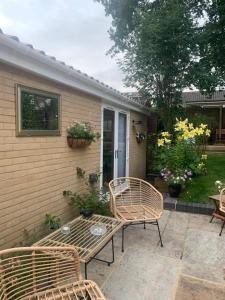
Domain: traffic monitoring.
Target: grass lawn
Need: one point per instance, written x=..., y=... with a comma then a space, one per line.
x=201, y=187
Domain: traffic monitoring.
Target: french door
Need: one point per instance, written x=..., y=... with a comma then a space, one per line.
x=114, y=144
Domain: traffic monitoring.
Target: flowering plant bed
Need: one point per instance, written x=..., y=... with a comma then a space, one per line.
x=182, y=153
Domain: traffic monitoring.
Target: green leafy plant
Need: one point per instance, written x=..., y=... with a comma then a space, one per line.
x=53, y=222
x=94, y=200
x=82, y=130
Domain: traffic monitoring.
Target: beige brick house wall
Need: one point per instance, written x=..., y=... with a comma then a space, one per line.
x=34, y=171
x=137, y=152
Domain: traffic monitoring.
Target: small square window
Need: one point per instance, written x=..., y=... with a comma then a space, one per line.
x=38, y=112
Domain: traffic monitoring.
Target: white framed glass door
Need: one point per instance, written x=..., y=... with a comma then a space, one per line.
x=122, y=145
x=115, y=142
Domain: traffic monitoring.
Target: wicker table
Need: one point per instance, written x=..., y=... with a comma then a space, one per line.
x=80, y=236
x=218, y=214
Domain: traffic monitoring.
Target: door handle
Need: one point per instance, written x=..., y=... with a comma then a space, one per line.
x=116, y=153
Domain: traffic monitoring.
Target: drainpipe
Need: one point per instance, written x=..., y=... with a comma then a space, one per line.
x=220, y=123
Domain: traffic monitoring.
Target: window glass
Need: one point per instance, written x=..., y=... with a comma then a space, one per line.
x=38, y=112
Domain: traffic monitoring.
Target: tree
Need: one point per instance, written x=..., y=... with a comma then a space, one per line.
x=157, y=40
x=162, y=45
x=212, y=48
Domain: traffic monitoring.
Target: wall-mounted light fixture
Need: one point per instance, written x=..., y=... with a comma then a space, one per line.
x=137, y=122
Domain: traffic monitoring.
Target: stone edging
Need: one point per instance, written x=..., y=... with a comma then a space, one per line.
x=196, y=208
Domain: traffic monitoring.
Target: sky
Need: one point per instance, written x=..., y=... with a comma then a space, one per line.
x=74, y=31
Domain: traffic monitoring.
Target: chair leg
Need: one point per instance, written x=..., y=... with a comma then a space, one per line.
x=159, y=233
x=144, y=225
x=211, y=219
x=123, y=228
x=222, y=226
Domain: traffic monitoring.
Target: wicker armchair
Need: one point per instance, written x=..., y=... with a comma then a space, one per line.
x=222, y=200
x=222, y=207
x=135, y=201
x=41, y=273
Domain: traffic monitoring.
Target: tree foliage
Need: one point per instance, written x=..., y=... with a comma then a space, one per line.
x=168, y=45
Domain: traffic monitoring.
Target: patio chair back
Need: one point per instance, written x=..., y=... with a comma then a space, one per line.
x=127, y=191
x=26, y=271
x=222, y=200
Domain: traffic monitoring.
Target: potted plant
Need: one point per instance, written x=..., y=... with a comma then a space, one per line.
x=175, y=181
x=53, y=222
x=84, y=202
x=94, y=200
x=80, y=134
x=140, y=137
x=93, y=178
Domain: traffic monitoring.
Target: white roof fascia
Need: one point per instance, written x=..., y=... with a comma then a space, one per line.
x=22, y=56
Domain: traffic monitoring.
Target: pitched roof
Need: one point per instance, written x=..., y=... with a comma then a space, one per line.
x=25, y=56
x=192, y=97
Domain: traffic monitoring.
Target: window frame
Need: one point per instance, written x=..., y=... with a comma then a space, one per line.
x=29, y=132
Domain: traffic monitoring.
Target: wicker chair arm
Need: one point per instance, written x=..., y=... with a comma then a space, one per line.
x=222, y=200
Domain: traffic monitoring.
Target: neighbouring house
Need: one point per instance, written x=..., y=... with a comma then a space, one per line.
x=36, y=163
x=212, y=107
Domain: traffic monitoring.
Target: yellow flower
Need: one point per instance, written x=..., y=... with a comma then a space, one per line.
x=190, y=125
x=180, y=137
x=203, y=126
x=165, y=134
x=192, y=133
x=181, y=125
x=160, y=142
x=204, y=156
x=207, y=132
x=167, y=141
x=199, y=130
x=186, y=135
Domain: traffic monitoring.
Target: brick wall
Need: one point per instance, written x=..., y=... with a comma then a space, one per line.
x=35, y=170
x=137, y=155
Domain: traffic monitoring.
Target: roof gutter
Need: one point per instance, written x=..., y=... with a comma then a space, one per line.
x=25, y=57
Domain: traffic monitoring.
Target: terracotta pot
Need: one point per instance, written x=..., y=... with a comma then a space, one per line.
x=77, y=143
x=174, y=190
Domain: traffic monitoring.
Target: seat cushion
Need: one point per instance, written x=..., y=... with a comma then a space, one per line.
x=84, y=289
x=137, y=213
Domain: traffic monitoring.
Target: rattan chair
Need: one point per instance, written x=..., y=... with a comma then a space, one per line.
x=135, y=201
x=41, y=273
x=222, y=200
x=222, y=207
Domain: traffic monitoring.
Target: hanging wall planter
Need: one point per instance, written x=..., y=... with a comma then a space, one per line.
x=140, y=137
x=81, y=134
x=77, y=143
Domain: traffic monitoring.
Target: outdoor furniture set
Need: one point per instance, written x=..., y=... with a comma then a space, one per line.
x=50, y=269
x=219, y=212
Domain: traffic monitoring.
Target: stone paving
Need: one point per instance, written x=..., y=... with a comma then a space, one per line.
x=188, y=267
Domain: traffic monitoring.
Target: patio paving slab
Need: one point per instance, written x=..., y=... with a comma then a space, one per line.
x=190, y=288
x=143, y=275
x=204, y=271
x=173, y=244
x=204, y=247
x=178, y=222
x=202, y=222
x=189, y=266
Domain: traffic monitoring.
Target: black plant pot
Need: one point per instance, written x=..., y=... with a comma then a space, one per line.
x=93, y=178
x=174, y=190
x=86, y=213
